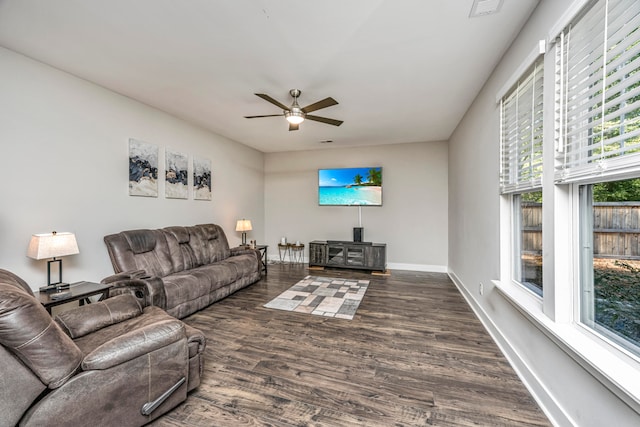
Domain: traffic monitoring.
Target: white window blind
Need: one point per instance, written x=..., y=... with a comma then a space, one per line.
x=521, y=133
x=599, y=92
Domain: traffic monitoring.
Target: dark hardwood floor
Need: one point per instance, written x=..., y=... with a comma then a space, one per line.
x=414, y=355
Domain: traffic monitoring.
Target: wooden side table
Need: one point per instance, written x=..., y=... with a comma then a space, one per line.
x=263, y=256
x=283, y=251
x=79, y=291
x=296, y=253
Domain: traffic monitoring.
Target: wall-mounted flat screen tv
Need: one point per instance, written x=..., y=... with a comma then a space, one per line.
x=350, y=187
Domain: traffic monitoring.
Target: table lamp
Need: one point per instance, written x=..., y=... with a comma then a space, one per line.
x=243, y=225
x=53, y=245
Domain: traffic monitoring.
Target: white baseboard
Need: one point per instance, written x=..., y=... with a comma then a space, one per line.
x=418, y=267
x=390, y=266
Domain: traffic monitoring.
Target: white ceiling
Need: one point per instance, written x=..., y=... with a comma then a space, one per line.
x=401, y=70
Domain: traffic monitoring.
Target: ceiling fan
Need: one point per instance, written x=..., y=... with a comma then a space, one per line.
x=296, y=115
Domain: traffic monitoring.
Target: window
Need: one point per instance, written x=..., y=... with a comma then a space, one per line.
x=591, y=302
x=521, y=174
x=598, y=150
x=527, y=240
x=610, y=260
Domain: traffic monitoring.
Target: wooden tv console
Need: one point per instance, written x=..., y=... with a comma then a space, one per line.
x=344, y=254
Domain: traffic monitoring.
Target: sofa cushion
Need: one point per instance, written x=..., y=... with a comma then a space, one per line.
x=209, y=243
x=245, y=262
x=140, y=241
x=185, y=286
x=180, y=243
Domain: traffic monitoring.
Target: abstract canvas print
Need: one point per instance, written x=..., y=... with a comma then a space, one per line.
x=176, y=175
x=143, y=169
x=201, y=178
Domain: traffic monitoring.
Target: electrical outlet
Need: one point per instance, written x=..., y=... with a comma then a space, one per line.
x=481, y=288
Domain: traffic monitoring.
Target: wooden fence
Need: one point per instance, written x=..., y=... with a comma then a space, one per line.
x=616, y=229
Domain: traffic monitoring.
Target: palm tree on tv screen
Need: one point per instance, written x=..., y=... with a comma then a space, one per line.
x=374, y=176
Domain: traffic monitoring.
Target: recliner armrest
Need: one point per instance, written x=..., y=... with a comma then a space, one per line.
x=148, y=290
x=134, y=344
x=85, y=319
x=134, y=274
x=242, y=250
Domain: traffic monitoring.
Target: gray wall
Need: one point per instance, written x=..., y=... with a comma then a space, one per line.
x=64, y=154
x=570, y=395
x=412, y=221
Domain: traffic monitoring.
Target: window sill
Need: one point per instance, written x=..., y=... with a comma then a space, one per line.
x=614, y=367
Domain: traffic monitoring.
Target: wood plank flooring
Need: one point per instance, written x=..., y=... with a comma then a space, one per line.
x=414, y=355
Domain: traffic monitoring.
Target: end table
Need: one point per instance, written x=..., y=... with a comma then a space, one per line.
x=263, y=256
x=79, y=291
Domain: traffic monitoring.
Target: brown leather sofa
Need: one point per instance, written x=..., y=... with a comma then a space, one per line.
x=110, y=363
x=180, y=269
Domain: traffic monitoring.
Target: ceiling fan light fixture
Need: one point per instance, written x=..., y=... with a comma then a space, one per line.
x=294, y=117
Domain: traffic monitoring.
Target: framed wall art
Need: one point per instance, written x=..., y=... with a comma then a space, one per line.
x=143, y=169
x=201, y=178
x=176, y=175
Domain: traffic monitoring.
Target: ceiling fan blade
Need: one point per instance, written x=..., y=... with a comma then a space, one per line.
x=327, y=102
x=273, y=101
x=267, y=115
x=324, y=120
x=293, y=127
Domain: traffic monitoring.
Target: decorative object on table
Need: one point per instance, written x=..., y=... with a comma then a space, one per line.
x=323, y=296
x=283, y=241
x=358, y=234
x=176, y=175
x=53, y=245
x=201, y=178
x=244, y=225
x=143, y=169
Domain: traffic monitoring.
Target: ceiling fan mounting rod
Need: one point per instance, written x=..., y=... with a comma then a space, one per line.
x=295, y=93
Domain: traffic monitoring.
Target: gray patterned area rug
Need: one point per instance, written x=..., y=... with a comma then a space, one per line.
x=323, y=296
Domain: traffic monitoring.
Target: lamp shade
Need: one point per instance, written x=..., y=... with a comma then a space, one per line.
x=243, y=225
x=52, y=245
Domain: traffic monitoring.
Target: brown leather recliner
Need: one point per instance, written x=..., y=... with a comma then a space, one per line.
x=111, y=363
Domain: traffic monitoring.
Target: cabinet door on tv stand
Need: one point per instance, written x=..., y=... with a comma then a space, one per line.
x=335, y=255
x=376, y=257
x=355, y=255
x=317, y=254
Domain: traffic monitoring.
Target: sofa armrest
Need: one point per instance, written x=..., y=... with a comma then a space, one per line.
x=148, y=290
x=134, y=344
x=135, y=274
x=242, y=250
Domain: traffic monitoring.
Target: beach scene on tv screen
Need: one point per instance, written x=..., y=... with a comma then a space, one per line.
x=350, y=186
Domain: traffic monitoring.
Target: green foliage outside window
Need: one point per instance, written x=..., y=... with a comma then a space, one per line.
x=617, y=191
